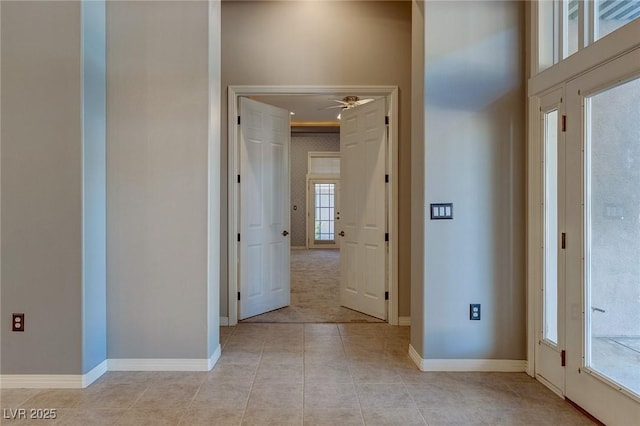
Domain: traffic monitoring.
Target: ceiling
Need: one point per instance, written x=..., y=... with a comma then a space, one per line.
x=310, y=110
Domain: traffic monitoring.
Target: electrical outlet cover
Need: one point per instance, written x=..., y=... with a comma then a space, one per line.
x=474, y=311
x=17, y=323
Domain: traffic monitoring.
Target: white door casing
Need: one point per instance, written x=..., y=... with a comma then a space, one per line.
x=362, y=225
x=234, y=94
x=264, y=243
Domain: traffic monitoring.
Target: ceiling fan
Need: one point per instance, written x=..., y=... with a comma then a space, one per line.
x=349, y=102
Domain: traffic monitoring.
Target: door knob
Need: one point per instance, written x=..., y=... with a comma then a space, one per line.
x=341, y=233
x=285, y=233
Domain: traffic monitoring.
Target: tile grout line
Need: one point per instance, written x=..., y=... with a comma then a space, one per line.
x=355, y=387
x=253, y=382
x=304, y=366
x=190, y=404
x=415, y=405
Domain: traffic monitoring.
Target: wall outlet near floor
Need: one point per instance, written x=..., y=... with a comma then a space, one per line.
x=17, y=324
x=474, y=311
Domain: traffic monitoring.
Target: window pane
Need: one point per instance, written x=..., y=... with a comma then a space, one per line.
x=612, y=256
x=546, y=34
x=324, y=211
x=550, y=285
x=571, y=24
x=613, y=14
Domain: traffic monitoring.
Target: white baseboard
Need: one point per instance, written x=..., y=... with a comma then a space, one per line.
x=404, y=321
x=159, y=364
x=214, y=358
x=495, y=365
x=53, y=381
x=94, y=374
x=80, y=381
x=224, y=321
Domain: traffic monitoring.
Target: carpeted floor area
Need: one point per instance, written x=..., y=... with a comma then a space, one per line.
x=315, y=278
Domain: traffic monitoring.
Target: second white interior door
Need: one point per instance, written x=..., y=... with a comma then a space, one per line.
x=264, y=214
x=362, y=224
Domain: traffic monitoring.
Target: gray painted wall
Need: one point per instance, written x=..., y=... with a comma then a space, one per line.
x=94, y=330
x=417, y=176
x=157, y=180
x=213, y=271
x=304, y=43
x=42, y=186
x=474, y=158
x=301, y=145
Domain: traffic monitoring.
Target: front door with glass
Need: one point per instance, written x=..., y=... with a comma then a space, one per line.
x=603, y=247
x=550, y=319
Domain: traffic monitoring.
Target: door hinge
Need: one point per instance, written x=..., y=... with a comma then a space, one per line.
x=386, y=237
x=563, y=358
x=564, y=123
x=386, y=178
x=386, y=120
x=386, y=295
x=238, y=120
x=564, y=240
x=238, y=295
x=238, y=237
x=238, y=178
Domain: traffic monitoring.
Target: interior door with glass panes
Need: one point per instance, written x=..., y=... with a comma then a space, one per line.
x=550, y=319
x=603, y=241
x=323, y=212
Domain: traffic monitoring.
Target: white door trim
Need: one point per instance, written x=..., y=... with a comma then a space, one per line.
x=234, y=92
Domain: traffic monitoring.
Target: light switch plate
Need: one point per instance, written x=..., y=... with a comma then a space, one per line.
x=441, y=211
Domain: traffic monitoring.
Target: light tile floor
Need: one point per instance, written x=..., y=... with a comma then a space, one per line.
x=313, y=374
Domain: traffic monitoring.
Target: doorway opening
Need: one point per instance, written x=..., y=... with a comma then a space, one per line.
x=390, y=96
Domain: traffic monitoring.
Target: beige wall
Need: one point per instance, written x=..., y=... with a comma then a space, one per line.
x=323, y=43
x=41, y=186
x=157, y=179
x=474, y=157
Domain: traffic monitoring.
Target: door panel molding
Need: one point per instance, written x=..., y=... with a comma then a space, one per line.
x=234, y=93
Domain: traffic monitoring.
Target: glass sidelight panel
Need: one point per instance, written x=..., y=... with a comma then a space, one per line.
x=612, y=243
x=550, y=283
x=324, y=215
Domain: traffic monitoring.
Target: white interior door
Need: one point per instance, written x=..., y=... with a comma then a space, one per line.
x=363, y=250
x=264, y=208
x=550, y=324
x=603, y=241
